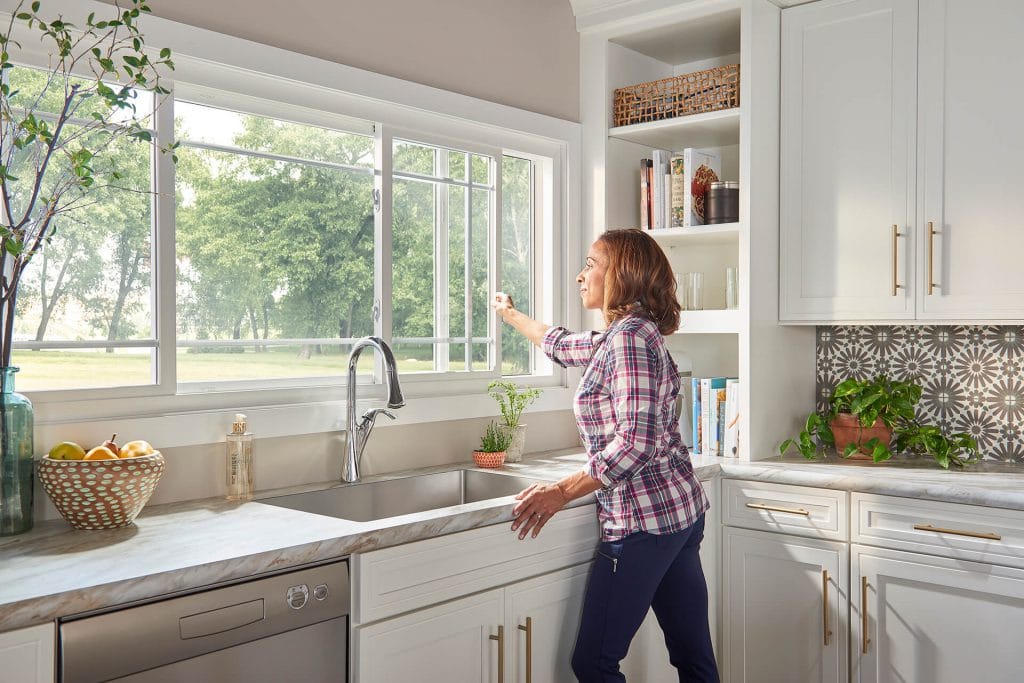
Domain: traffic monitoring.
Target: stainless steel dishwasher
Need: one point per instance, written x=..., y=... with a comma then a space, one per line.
x=287, y=627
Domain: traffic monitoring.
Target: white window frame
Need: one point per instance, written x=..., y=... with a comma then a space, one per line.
x=234, y=69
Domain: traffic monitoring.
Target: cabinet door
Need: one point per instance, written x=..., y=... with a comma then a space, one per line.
x=26, y=655
x=934, y=619
x=970, y=158
x=847, y=160
x=450, y=642
x=543, y=645
x=782, y=595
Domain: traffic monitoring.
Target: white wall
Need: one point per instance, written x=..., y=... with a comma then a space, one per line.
x=523, y=53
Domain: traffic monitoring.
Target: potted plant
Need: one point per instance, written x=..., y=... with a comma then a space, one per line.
x=874, y=418
x=493, y=446
x=59, y=138
x=512, y=401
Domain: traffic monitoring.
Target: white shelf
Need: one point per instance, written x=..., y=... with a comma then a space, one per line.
x=721, y=233
x=713, y=129
x=716, y=321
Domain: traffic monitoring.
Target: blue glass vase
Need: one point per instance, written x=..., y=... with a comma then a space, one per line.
x=16, y=466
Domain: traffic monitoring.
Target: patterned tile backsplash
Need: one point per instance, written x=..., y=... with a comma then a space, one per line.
x=972, y=376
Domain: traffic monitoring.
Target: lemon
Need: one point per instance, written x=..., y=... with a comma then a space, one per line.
x=67, y=450
x=100, y=453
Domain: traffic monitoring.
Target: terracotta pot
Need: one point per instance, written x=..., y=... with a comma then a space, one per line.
x=846, y=428
x=489, y=459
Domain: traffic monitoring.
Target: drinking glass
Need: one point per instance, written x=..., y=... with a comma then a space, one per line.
x=695, y=291
x=732, y=296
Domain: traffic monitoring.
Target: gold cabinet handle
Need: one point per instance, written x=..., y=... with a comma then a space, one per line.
x=896, y=235
x=501, y=653
x=824, y=605
x=931, y=256
x=958, y=532
x=864, y=640
x=773, y=508
x=529, y=648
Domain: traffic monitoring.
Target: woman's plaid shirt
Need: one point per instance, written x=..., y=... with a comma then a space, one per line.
x=625, y=410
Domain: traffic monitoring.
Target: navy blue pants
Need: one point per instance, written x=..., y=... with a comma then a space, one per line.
x=630, y=576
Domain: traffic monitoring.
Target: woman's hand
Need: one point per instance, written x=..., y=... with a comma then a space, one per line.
x=502, y=304
x=537, y=504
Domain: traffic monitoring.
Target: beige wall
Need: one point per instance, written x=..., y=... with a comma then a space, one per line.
x=530, y=48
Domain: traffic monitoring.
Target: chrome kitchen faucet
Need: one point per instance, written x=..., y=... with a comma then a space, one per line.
x=357, y=434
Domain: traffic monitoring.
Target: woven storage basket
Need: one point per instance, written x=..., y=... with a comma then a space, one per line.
x=100, y=494
x=693, y=93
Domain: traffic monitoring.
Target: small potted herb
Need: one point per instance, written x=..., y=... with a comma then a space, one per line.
x=872, y=419
x=493, y=446
x=512, y=401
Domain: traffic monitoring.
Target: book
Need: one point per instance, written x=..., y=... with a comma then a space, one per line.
x=718, y=414
x=701, y=167
x=645, y=207
x=660, y=201
x=649, y=174
x=678, y=182
x=695, y=414
x=709, y=412
x=730, y=445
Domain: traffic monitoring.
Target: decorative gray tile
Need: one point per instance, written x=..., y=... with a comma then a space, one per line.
x=972, y=377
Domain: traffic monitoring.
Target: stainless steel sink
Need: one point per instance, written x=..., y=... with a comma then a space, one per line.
x=368, y=501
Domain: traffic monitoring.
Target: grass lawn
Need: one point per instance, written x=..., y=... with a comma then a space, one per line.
x=84, y=369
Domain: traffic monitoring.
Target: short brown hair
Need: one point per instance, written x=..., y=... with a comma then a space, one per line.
x=638, y=280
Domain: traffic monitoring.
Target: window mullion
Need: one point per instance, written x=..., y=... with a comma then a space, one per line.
x=494, y=260
x=382, y=260
x=467, y=267
x=163, y=270
x=442, y=319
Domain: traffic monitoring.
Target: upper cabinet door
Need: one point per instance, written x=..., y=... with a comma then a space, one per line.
x=971, y=171
x=848, y=129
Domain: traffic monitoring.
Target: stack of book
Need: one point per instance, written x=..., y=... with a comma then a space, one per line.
x=672, y=187
x=709, y=421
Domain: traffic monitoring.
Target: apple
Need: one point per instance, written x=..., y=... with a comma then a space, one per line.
x=67, y=450
x=100, y=453
x=134, y=449
x=111, y=444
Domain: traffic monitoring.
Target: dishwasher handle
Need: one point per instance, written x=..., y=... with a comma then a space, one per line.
x=221, y=620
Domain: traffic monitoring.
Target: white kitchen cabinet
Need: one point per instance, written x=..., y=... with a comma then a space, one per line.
x=849, y=70
x=970, y=141
x=27, y=655
x=785, y=608
x=542, y=616
x=528, y=626
x=900, y=161
x=922, y=618
x=451, y=641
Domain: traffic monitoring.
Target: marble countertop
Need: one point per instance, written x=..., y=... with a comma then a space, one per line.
x=54, y=571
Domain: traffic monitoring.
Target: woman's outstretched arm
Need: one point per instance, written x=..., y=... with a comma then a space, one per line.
x=527, y=326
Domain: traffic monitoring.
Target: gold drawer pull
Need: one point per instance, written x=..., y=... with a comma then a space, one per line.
x=896, y=235
x=772, y=508
x=824, y=604
x=501, y=653
x=864, y=640
x=958, y=532
x=528, y=629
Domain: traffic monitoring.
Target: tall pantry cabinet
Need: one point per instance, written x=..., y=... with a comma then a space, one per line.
x=626, y=43
x=901, y=170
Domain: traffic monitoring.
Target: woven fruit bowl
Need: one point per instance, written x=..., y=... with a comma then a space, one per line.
x=100, y=494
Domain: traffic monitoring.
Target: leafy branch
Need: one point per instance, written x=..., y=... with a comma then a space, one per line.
x=53, y=142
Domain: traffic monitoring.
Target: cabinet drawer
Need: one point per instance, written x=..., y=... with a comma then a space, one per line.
x=406, y=577
x=799, y=510
x=967, y=532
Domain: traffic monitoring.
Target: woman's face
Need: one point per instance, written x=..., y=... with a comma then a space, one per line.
x=591, y=278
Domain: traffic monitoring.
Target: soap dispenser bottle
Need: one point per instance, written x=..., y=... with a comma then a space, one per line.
x=239, y=460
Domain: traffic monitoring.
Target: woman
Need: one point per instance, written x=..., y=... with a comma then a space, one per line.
x=650, y=504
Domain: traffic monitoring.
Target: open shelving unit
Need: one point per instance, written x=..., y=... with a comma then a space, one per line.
x=639, y=41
